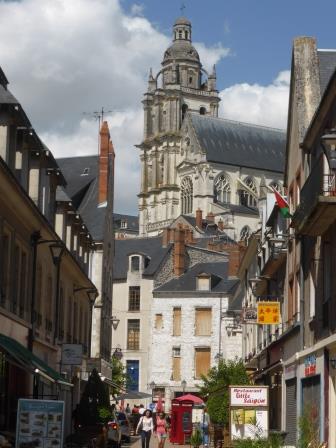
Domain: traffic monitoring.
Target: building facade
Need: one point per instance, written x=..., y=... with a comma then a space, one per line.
x=41, y=307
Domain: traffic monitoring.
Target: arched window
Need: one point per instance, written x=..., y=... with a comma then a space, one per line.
x=276, y=186
x=180, y=34
x=184, y=110
x=202, y=110
x=186, y=196
x=222, y=189
x=186, y=35
x=245, y=233
x=246, y=197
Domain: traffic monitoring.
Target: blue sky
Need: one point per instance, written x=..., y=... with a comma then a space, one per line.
x=258, y=32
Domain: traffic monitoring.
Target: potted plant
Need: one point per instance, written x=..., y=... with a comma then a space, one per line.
x=196, y=437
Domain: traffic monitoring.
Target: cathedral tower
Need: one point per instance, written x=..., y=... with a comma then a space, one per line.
x=181, y=85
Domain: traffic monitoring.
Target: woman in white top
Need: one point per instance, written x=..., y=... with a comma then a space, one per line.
x=147, y=427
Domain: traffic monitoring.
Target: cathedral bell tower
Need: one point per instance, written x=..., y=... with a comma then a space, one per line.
x=180, y=86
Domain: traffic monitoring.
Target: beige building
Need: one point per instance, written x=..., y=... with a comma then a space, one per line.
x=44, y=283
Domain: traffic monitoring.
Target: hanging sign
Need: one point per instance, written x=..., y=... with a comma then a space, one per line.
x=250, y=315
x=268, y=313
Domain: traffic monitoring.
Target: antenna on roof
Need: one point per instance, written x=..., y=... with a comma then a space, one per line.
x=98, y=115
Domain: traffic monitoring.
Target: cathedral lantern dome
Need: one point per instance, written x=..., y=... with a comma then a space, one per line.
x=181, y=49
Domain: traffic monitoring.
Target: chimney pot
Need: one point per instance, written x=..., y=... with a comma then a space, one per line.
x=199, y=218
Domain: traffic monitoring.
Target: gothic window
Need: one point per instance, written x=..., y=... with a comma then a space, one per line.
x=222, y=189
x=276, y=186
x=246, y=197
x=202, y=110
x=245, y=233
x=184, y=110
x=186, y=196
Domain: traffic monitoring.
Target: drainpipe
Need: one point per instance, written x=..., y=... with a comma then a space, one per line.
x=302, y=307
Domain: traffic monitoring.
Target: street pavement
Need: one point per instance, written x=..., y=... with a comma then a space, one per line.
x=136, y=443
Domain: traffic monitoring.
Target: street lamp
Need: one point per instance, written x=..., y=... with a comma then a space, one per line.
x=92, y=294
x=328, y=142
x=184, y=385
x=115, y=322
x=57, y=249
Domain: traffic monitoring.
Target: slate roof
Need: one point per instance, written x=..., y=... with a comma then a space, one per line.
x=327, y=65
x=3, y=78
x=6, y=97
x=240, y=209
x=151, y=247
x=132, y=222
x=237, y=302
x=240, y=144
x=81, y=174
x=188, y=282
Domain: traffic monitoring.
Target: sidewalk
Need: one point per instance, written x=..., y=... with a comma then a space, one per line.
x=136, y=443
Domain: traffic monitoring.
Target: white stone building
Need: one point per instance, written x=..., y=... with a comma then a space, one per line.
x=191, y=159
x=173, y=297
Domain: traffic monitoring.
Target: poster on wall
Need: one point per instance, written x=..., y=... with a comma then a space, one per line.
x=40, y=424
x=248, y=412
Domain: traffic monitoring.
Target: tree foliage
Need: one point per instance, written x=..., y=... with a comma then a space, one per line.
x=119, y=375
x=216, y=388
x=95, y=397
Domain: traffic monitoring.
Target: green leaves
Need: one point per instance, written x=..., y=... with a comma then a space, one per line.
x=216, y=388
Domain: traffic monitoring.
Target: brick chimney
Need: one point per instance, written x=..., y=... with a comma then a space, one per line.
x=179, y=251
x=199, y=218
x=235, y=254
x=105, y=148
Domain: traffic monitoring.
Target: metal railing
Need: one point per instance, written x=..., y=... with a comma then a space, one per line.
x=317, y=184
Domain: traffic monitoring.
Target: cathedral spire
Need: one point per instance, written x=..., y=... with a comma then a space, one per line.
x=151, y=81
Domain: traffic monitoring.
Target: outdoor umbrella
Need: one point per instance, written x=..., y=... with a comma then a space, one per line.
x=133, y=396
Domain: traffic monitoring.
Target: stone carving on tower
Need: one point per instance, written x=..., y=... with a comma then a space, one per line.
x=181, y=85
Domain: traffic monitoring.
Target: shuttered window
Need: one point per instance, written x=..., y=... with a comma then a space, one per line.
x=176, y=376
x=202, y=361
x=203, y=322
x=177, y=322
x=291, y=412
x=158, y=322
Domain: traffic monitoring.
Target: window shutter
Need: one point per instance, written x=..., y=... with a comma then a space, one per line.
x=203, y=322
x=176, y=369
x=202, y=361
x=177, y=322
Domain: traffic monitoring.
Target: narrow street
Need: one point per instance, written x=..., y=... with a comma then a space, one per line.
x=136, y=443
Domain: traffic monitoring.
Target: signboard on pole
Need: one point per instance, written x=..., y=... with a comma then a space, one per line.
x=268, y=313
x=72, y=354
x=248, y=412
x=40, y=423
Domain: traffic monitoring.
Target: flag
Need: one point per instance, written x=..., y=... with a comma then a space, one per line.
x=282, y=204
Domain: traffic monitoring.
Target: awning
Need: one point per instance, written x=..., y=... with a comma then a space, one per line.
x=28, y=361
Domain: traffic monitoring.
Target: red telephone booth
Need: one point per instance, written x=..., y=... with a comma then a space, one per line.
x=181, y=418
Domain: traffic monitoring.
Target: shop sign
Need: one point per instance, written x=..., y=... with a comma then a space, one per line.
x=72, y=354
x=250, y=315
x=248, y=396
x=310, y=365
x=268, y=313
x=40, y=423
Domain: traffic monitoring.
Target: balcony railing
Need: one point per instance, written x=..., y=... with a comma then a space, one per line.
x=317, y=207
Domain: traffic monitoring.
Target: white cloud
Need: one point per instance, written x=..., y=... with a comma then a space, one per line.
x=66, y=57
x=254, y=103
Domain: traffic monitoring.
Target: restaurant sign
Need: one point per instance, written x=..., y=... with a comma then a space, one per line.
x=249, y=396
x=268, y=313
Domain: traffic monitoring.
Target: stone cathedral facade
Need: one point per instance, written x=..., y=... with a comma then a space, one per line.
x=190, y=158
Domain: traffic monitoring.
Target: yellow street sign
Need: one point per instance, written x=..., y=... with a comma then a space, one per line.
x=268, y=313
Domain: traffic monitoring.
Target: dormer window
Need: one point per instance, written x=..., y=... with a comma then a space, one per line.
x=203, y=282
x=123, y=224
x=135, y=263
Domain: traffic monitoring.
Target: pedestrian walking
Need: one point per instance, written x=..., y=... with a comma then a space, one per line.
x=161, y=429
x=128, y=409
x=146, y=428
x=205, y=427
x=141, y=409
